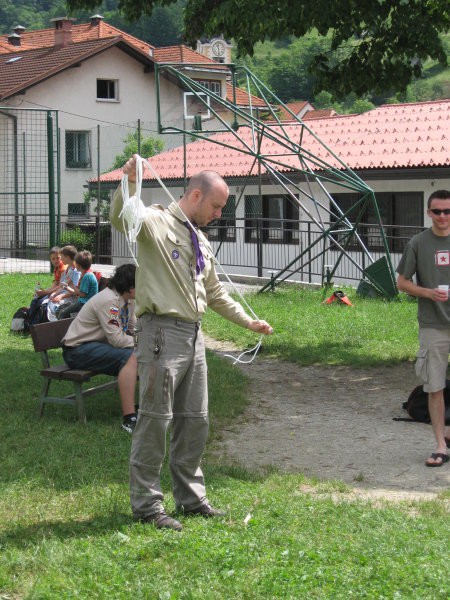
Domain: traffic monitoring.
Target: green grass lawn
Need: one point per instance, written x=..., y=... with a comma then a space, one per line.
x=371, y=332
x=65, y=523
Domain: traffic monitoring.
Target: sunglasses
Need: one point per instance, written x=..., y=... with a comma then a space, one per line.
x=439, y=211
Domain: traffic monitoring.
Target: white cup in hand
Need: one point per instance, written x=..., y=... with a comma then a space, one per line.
x=443, y=288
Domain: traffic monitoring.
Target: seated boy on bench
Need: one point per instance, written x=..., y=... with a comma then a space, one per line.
x=100, y=338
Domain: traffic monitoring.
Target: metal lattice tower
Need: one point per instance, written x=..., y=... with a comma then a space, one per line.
x=292, y=155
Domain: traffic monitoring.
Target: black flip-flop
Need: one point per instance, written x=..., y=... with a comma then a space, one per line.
x=447, y=441
x=435, y=455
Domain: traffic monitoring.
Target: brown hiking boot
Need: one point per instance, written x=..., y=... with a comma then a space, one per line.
x=162, y=521
x=205, y=510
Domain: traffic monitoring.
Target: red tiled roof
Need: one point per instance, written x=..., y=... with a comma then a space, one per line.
x=243, y=99
x=396, y=136
x=295, y=107
x=45, y=38
x=178, y=54
x=318, y=114
x=24, y=69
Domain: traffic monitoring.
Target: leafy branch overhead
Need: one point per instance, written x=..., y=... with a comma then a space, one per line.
x=377, y=45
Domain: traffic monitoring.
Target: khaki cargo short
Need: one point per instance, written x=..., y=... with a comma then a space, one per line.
x=432, y=358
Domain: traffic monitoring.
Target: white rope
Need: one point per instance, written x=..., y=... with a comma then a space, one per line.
x=133, y=213
x=133, y=210
x=258, y=345
x=254, y=351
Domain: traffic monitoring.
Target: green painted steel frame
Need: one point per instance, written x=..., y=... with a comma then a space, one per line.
x=311, y=168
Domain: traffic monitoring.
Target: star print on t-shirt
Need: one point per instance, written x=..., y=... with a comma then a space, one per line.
x=442, y=258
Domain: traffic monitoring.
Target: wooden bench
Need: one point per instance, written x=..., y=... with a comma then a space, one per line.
x=48, y=336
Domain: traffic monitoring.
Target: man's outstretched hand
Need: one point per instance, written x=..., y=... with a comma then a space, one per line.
x=260, y=327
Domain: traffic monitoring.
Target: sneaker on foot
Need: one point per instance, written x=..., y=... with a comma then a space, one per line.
x=162, y=520
x=205, y=510
x=129, y=423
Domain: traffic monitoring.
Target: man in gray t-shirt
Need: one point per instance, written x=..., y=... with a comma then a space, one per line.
x=427, y=256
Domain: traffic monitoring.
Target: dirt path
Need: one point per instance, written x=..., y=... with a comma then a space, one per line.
x=334, y=423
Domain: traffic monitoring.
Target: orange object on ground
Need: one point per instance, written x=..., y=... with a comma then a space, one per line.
x=339, y=297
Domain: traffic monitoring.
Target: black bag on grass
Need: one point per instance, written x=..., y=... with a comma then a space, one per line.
x=20, y=322
x=417, y=404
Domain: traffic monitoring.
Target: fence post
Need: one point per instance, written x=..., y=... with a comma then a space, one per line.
x=51, y=179
x=24, y=235
x=259, y=246
x=259, y=223
x=58, y=171
x=16, y=186
x=97, y=216
x=139, y=136
x=309, y=253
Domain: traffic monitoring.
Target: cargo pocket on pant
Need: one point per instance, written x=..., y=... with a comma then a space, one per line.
x=147, y=383
x=421, y=367
x=156, y=391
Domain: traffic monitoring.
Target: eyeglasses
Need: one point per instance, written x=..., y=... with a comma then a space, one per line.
x=439, y=211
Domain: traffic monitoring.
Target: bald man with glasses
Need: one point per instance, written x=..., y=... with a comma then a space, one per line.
x=427, y=257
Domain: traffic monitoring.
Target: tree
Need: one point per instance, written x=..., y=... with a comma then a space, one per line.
x=162, y=28
x=384, y=42
x=351, y=104
x=288, y=76
x=149, y=147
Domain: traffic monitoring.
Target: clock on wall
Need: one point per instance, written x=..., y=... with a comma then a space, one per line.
x=218, y=49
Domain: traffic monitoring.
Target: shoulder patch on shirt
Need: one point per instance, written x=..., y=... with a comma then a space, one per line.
x=113, y=322
x=175, y=254
x=113, y=311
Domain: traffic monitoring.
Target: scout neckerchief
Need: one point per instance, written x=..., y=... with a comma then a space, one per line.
x=199, y=258
x=124, y=316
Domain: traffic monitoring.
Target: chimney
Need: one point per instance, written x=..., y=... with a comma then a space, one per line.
x=95, y=20
x=63, y=31
x=14, y=39
x=19, y=29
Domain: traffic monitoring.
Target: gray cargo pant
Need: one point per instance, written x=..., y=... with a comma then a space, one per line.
x=172, y=389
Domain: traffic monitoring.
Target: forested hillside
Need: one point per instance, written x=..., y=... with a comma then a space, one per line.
x=282, y=66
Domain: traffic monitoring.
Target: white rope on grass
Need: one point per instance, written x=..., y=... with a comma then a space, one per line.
x=133, y=214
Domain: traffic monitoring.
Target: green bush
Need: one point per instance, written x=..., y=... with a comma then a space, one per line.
x=78, y=238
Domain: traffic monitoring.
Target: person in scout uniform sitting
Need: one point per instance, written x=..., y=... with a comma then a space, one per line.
x=100, y=338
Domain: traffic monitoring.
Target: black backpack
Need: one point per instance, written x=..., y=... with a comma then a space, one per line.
x=20, y=321
x=417, y=404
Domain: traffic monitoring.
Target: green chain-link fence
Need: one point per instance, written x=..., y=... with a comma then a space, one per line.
x=29, y=186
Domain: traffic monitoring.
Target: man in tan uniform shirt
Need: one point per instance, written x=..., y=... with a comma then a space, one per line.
x=175, y=282
x=100, y=338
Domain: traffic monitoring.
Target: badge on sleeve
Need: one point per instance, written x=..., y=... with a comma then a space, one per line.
x=175, y=254
x=113, y=315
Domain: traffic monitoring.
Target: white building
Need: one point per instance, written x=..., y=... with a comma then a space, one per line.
x=100, y=81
